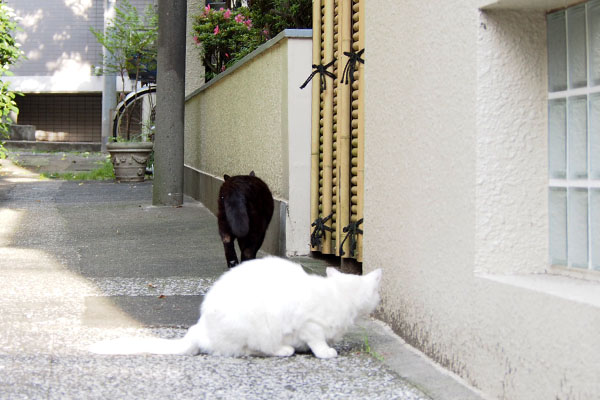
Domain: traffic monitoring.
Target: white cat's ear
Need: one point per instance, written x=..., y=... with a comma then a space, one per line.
x=332, y=272
x=376, y=275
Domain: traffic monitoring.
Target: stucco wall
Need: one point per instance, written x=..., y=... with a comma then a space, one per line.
x=238, y=122
x=254, y=117
x=512, y=218
x=456, y=199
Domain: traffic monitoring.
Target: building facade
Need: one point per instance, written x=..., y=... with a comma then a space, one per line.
x=481, y=188
x=63, y=93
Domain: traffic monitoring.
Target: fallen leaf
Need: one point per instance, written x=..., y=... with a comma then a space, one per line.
x=151, y=286
x=162, y=296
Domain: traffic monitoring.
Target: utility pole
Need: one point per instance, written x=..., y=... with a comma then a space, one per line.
x=109, y=88
x=170, y=103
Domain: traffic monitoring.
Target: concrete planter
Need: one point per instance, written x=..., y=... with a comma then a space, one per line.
x=129, y=160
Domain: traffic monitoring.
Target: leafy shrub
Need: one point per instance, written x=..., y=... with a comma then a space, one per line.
x=277, y=15
x=9, y=54
x=226, y=36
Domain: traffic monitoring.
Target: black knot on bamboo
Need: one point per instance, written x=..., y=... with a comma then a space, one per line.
x=353, y=58
x=322, y=71
x=319, y=232
x=352, y=231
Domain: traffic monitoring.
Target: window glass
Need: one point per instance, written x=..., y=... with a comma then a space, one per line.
x=574, y=135
x=558, y=225
x=557, y=52
x=595, y=225
x=577, y=227
x=594, y=135
x=594, y=41
x=557, y=140
x=577, y=134
x=576, y=47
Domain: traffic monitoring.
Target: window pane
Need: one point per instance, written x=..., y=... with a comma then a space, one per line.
x=576, y=53
x=577, y=228
x=577, y=133
x=557, y=202
x=594, y=41
x=557, y=141
x=595, y=225
x=594, y=134
x=557, y=52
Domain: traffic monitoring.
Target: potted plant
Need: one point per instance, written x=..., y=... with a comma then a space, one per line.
x=131, y=43
x=130, y=159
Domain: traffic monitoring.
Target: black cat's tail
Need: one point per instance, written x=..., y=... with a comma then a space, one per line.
x=237, y=214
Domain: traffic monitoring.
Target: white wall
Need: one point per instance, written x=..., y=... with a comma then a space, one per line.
x=456, y=199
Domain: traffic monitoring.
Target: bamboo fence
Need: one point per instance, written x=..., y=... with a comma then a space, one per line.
x=337, y=161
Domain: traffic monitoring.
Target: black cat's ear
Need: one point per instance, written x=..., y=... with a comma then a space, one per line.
x=252, y=173
x=226, y=177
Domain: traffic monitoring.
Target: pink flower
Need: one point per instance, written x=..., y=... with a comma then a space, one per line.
x=239, y=18
x=248, y=23
x=216, y=31
x=207, y=9
x=227, y=14
x=223, y=68
x=197, y=39
x=227, y=55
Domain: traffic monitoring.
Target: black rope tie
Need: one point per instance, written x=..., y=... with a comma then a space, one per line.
x=352, y=231
x=319, y=232
x=350, y=67
x=322, y=71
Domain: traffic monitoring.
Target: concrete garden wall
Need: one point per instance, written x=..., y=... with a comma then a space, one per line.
x=255, y=117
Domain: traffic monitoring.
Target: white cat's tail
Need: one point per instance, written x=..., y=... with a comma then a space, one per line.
x=187, y=345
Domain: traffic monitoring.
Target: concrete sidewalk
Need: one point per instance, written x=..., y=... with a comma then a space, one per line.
x=86, y=261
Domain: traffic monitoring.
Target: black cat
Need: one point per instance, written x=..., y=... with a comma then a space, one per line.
x=245, y=210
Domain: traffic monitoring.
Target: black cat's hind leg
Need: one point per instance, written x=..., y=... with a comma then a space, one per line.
x=230, y=254
x=248, y=249
x=252, y=245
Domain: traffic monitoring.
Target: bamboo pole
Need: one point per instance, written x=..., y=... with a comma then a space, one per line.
x=315, y=114
x=328, y=125
x=343, y=127
x=360, y=170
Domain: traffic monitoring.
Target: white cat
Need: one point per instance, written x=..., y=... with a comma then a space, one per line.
x=268, y=307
